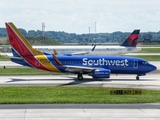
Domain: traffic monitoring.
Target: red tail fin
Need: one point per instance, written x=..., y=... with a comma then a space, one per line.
x=19, y=42
x=23, y=48
x=132, y=39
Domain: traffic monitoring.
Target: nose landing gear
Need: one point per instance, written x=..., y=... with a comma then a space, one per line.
x=137, y=77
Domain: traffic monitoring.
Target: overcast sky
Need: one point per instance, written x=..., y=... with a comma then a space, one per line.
x=76, y=16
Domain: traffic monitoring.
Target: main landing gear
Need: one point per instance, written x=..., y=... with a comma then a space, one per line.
x=80, y=76
x=137, y=77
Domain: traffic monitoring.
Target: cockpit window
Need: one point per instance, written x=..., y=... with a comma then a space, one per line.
x=145, y=62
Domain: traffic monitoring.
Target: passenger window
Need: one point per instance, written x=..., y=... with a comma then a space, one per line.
x=135, y=64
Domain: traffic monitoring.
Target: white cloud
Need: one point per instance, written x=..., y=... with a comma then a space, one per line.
x=78, y=15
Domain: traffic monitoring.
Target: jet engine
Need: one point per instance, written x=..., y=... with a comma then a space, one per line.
x=101, y=73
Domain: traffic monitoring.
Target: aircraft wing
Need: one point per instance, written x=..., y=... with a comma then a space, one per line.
x=80, y=53
x=79, y=68
x=76, y=53
x=71, y=68
x=84, y=53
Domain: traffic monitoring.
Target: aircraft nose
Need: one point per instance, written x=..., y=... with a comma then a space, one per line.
x=152, y=67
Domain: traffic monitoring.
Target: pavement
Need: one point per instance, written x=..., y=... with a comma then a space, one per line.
x=81, y=112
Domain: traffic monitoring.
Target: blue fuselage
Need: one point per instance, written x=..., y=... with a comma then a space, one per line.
x=116, y=64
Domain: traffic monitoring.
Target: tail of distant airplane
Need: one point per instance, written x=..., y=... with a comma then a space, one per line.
x=132, y=40
x=22, y=50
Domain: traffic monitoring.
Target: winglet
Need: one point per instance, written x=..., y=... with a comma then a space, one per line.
x=93, y=47
x=132, y=39
x=56, y=60
x=55, y=52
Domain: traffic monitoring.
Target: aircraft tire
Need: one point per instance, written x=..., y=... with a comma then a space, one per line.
x=80, y=77
x=137, y=77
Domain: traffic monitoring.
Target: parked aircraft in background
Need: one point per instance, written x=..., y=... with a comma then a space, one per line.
x=128, y=46
x=95, y=66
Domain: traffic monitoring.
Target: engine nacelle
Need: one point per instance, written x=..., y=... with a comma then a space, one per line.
x=101, y=73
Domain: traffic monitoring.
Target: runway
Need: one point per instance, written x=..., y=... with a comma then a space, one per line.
x=151, y=81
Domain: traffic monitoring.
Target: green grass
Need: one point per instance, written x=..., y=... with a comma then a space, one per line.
x=25, y=71
x=4, y=58
x=148, y=58
x=59, y=94
x=150, y=50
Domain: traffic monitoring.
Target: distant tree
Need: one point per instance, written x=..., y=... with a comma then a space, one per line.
x=23, y=31
x=64, y=37
x=3, y=32
x=31, y=33
x=38, y=33
x=149, y=35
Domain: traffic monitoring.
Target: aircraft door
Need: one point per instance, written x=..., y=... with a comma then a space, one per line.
x=135, y=64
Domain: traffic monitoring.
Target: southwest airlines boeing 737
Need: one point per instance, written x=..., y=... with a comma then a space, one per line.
x=128, y=46
x=95, y=66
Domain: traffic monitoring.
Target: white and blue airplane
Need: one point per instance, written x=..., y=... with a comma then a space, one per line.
x=128, y=46
x=95, y=66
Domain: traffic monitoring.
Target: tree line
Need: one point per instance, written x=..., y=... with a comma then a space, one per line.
x=63, y=37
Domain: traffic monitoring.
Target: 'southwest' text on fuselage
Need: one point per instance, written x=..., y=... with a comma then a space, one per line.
x=102, y=61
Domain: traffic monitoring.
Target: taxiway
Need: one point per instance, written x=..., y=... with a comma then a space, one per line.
x=151, y=81
x=81, y=112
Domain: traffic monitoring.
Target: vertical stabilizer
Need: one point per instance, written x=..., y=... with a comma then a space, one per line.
x=132, y=39
x=18, y=41
x=23, y=49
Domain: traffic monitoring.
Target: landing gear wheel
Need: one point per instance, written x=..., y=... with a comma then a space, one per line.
x=80, y=77
x=137, y=77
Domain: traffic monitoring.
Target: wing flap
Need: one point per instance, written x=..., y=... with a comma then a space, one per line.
x=79, y=69
x=80, y=53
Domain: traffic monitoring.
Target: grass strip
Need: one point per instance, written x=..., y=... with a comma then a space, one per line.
x=63, y=94
x=25, y=71
x=4, y=58
x=148, y=58
x=149, y=50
